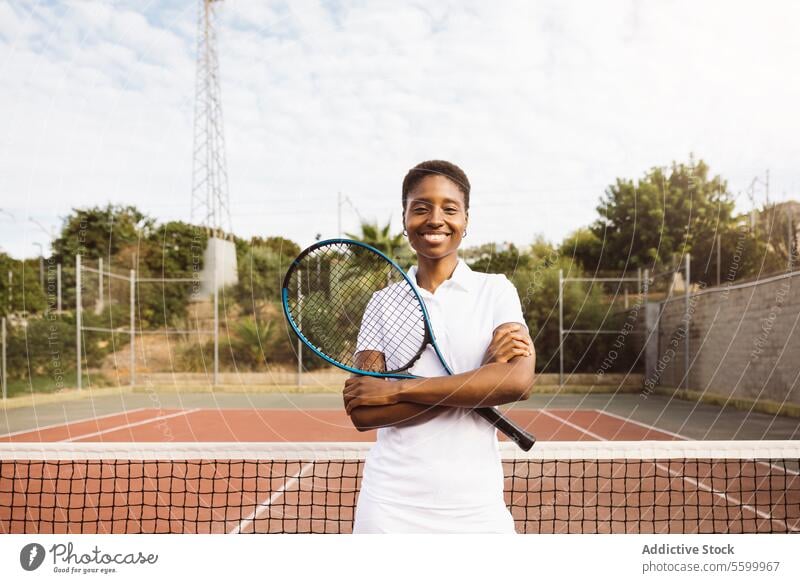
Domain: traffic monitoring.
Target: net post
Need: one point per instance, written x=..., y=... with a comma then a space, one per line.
x=3, y=360
x=687, y=317
x=133, y=327
x=58, y=288
x=560, y=327
x=78, y=319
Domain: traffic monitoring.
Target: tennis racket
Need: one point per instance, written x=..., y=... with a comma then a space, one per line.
x=345, y=299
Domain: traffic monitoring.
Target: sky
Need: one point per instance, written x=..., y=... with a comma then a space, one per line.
x=543, y=104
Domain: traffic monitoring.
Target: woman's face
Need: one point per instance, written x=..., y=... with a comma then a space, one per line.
x=435, y=217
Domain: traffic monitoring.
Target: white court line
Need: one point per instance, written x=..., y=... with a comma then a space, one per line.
x=68, y=423
x=570, y=424
x=684, y=438
x=640, y=424
x=128, y=425
x=722, y=495
x=265, y=505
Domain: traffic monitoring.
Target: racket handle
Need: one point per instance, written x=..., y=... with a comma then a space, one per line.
x=515, y=433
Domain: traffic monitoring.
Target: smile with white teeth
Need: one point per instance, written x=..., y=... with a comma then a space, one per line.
x=435, y=237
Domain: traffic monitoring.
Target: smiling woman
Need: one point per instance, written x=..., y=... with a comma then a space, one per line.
x=435, y=466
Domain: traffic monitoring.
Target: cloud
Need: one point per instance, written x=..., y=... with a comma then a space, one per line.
x=543, y=104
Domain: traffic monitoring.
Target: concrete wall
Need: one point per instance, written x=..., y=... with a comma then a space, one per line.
x=744, y=341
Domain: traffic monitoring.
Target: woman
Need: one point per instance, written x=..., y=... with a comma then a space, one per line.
x=435, y=466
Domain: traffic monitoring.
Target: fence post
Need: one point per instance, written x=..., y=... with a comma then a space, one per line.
x=560, y=327
x=78, y=319
x=133, y=327
x=100, y=304
x=687, y=316
x=300, y=323
x=3, y=358
x=58, y=288
x=639, y=281
x=215, y=380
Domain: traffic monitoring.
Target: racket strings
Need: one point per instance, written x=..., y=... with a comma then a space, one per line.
x=404, y=322
x=344, y=298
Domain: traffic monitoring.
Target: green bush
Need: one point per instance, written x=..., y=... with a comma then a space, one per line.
x=253, y=344
x=46, y=346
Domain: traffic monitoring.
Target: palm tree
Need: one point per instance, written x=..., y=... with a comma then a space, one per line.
x=394, y=246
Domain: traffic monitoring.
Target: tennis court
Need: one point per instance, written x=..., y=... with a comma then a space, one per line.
x=198, y=469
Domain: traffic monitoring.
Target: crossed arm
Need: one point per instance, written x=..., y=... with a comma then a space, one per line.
x=506, y=375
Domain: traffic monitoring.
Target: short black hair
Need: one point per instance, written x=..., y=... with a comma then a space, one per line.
x=447, y=169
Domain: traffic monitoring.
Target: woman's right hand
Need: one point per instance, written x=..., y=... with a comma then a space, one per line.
x=508, y=341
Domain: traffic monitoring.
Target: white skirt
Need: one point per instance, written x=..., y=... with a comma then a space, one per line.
x=379, y=517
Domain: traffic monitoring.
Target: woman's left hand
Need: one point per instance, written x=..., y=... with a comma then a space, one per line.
x=366, y=391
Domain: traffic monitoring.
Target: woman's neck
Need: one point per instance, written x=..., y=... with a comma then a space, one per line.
x=432, y=272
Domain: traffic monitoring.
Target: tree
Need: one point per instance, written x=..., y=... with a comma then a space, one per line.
x=644, y=223
x=260, y=278
x=100, y=232
x=394, y=246
x=171, y=250
x=496, y=258
x=23, y=293
x=777, y=227
x=280, y=245
x=262, y=265
x=583, y=246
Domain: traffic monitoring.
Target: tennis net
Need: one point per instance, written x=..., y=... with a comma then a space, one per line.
x=558, y=487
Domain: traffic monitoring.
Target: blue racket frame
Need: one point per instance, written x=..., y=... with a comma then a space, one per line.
x=358, y=371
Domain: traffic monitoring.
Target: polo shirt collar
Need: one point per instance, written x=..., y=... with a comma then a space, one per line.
x=461, y=279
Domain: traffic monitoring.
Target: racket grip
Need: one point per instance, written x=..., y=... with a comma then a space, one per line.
x=515, y=433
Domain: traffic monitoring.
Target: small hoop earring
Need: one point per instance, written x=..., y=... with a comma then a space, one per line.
x=405, y=233
x=465, y=234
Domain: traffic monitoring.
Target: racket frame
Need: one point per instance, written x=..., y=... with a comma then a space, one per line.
x=429, y=336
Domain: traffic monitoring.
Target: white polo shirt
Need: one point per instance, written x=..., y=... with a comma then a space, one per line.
x=451, y=461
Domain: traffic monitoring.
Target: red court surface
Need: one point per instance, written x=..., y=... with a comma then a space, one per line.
x=314, y=425
x=241, y=495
